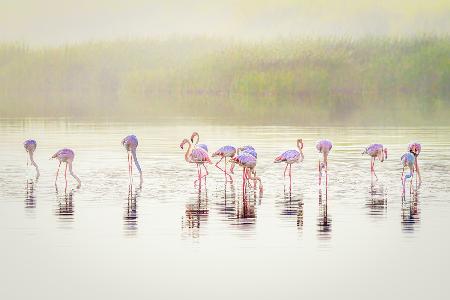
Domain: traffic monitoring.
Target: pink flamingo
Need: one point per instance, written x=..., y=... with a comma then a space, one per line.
x=248, y=164
x=375, y=151
x=67, y=156
x=197, y=145
x=245, y=149
x=196, y=156
x=408, y=160
x=324, y=147
x=415, y=149
x=130, y=143
x=290, y=157
x=30, y=147
x=224, y=152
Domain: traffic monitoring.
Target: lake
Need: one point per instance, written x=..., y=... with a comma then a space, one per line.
x=169, y=240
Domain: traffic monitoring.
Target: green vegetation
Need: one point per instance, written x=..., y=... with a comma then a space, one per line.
x=370, y=81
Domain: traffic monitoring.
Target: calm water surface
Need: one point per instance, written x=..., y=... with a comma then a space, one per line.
x=109, y=240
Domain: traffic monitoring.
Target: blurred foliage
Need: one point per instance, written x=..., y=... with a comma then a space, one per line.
x=369, y=81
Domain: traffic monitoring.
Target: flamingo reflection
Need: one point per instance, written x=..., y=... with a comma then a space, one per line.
x=196, y=214
x=130, y=214
x=324, y=220
x=377, y=201
x=64, y=206
x=30, y=198
x=410, y=213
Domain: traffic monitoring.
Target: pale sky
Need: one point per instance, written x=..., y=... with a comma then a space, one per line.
x=50, y=22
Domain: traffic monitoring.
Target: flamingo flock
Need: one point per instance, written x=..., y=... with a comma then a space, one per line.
x=245, y=157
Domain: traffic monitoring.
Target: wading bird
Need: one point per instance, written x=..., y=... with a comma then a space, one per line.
x=196, y=156
x=290, y=157
x=324, y=147
x=245, y=149
x=30, y=147
x=197, y=145
x=375, y=151
x=67, y=156
x=408, y=160
x=248, y=164
x=415, y=149
x=130, y=143
x=224, y=152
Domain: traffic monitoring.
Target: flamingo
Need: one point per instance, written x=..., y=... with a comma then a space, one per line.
x=30, y=147
x=408, y=160
x=290, y=157
x=130, y=143
x=224, y=152
x=415, y=149
x=245, y=149
x=248, y=164
x=324, y=147
x=196, y=156
x=375, y=151
x=197, y=145
x=67, y=156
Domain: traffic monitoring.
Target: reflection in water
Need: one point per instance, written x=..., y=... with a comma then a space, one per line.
x=226, y=206
x=377, y=201
x=245, y=206
x=30, y=198
x=410, y=213
x=64, y=207
x=196, y=213
x=130, y=215
x=324, y=220
x=292, y=206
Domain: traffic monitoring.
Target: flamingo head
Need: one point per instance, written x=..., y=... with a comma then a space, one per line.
x=300, y=142
x=183, y=142
x=385, y=153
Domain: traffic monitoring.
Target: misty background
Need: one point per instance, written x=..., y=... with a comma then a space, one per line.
x=296, y=61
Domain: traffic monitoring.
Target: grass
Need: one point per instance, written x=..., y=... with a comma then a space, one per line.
x=368, y=81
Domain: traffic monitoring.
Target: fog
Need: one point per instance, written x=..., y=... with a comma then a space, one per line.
x=55, y=22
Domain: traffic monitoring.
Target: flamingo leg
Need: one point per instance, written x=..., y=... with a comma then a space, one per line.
x=199, y=174
x=290, y=177
x=65, y=174
x=320, y=174
x=326, y=176
x=57, y=173
x=373, y=169
x=403, y=180
x=416, y=163
x=284, y=176
x=206, y=170
x=129, y=165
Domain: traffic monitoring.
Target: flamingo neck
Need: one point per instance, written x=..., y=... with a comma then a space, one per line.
x=188, y=152
x=198, y=138
x=136, y=162
x=300, y=146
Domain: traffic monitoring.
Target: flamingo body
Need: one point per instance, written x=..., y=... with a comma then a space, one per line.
x=245, y=160
x=248, y=149
x=30, y=145
x=225, y=151
x=324, y=146
x=130, y=142
x=64, y=155
x=290, y=156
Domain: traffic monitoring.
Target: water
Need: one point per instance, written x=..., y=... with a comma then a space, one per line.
x=167, y=239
